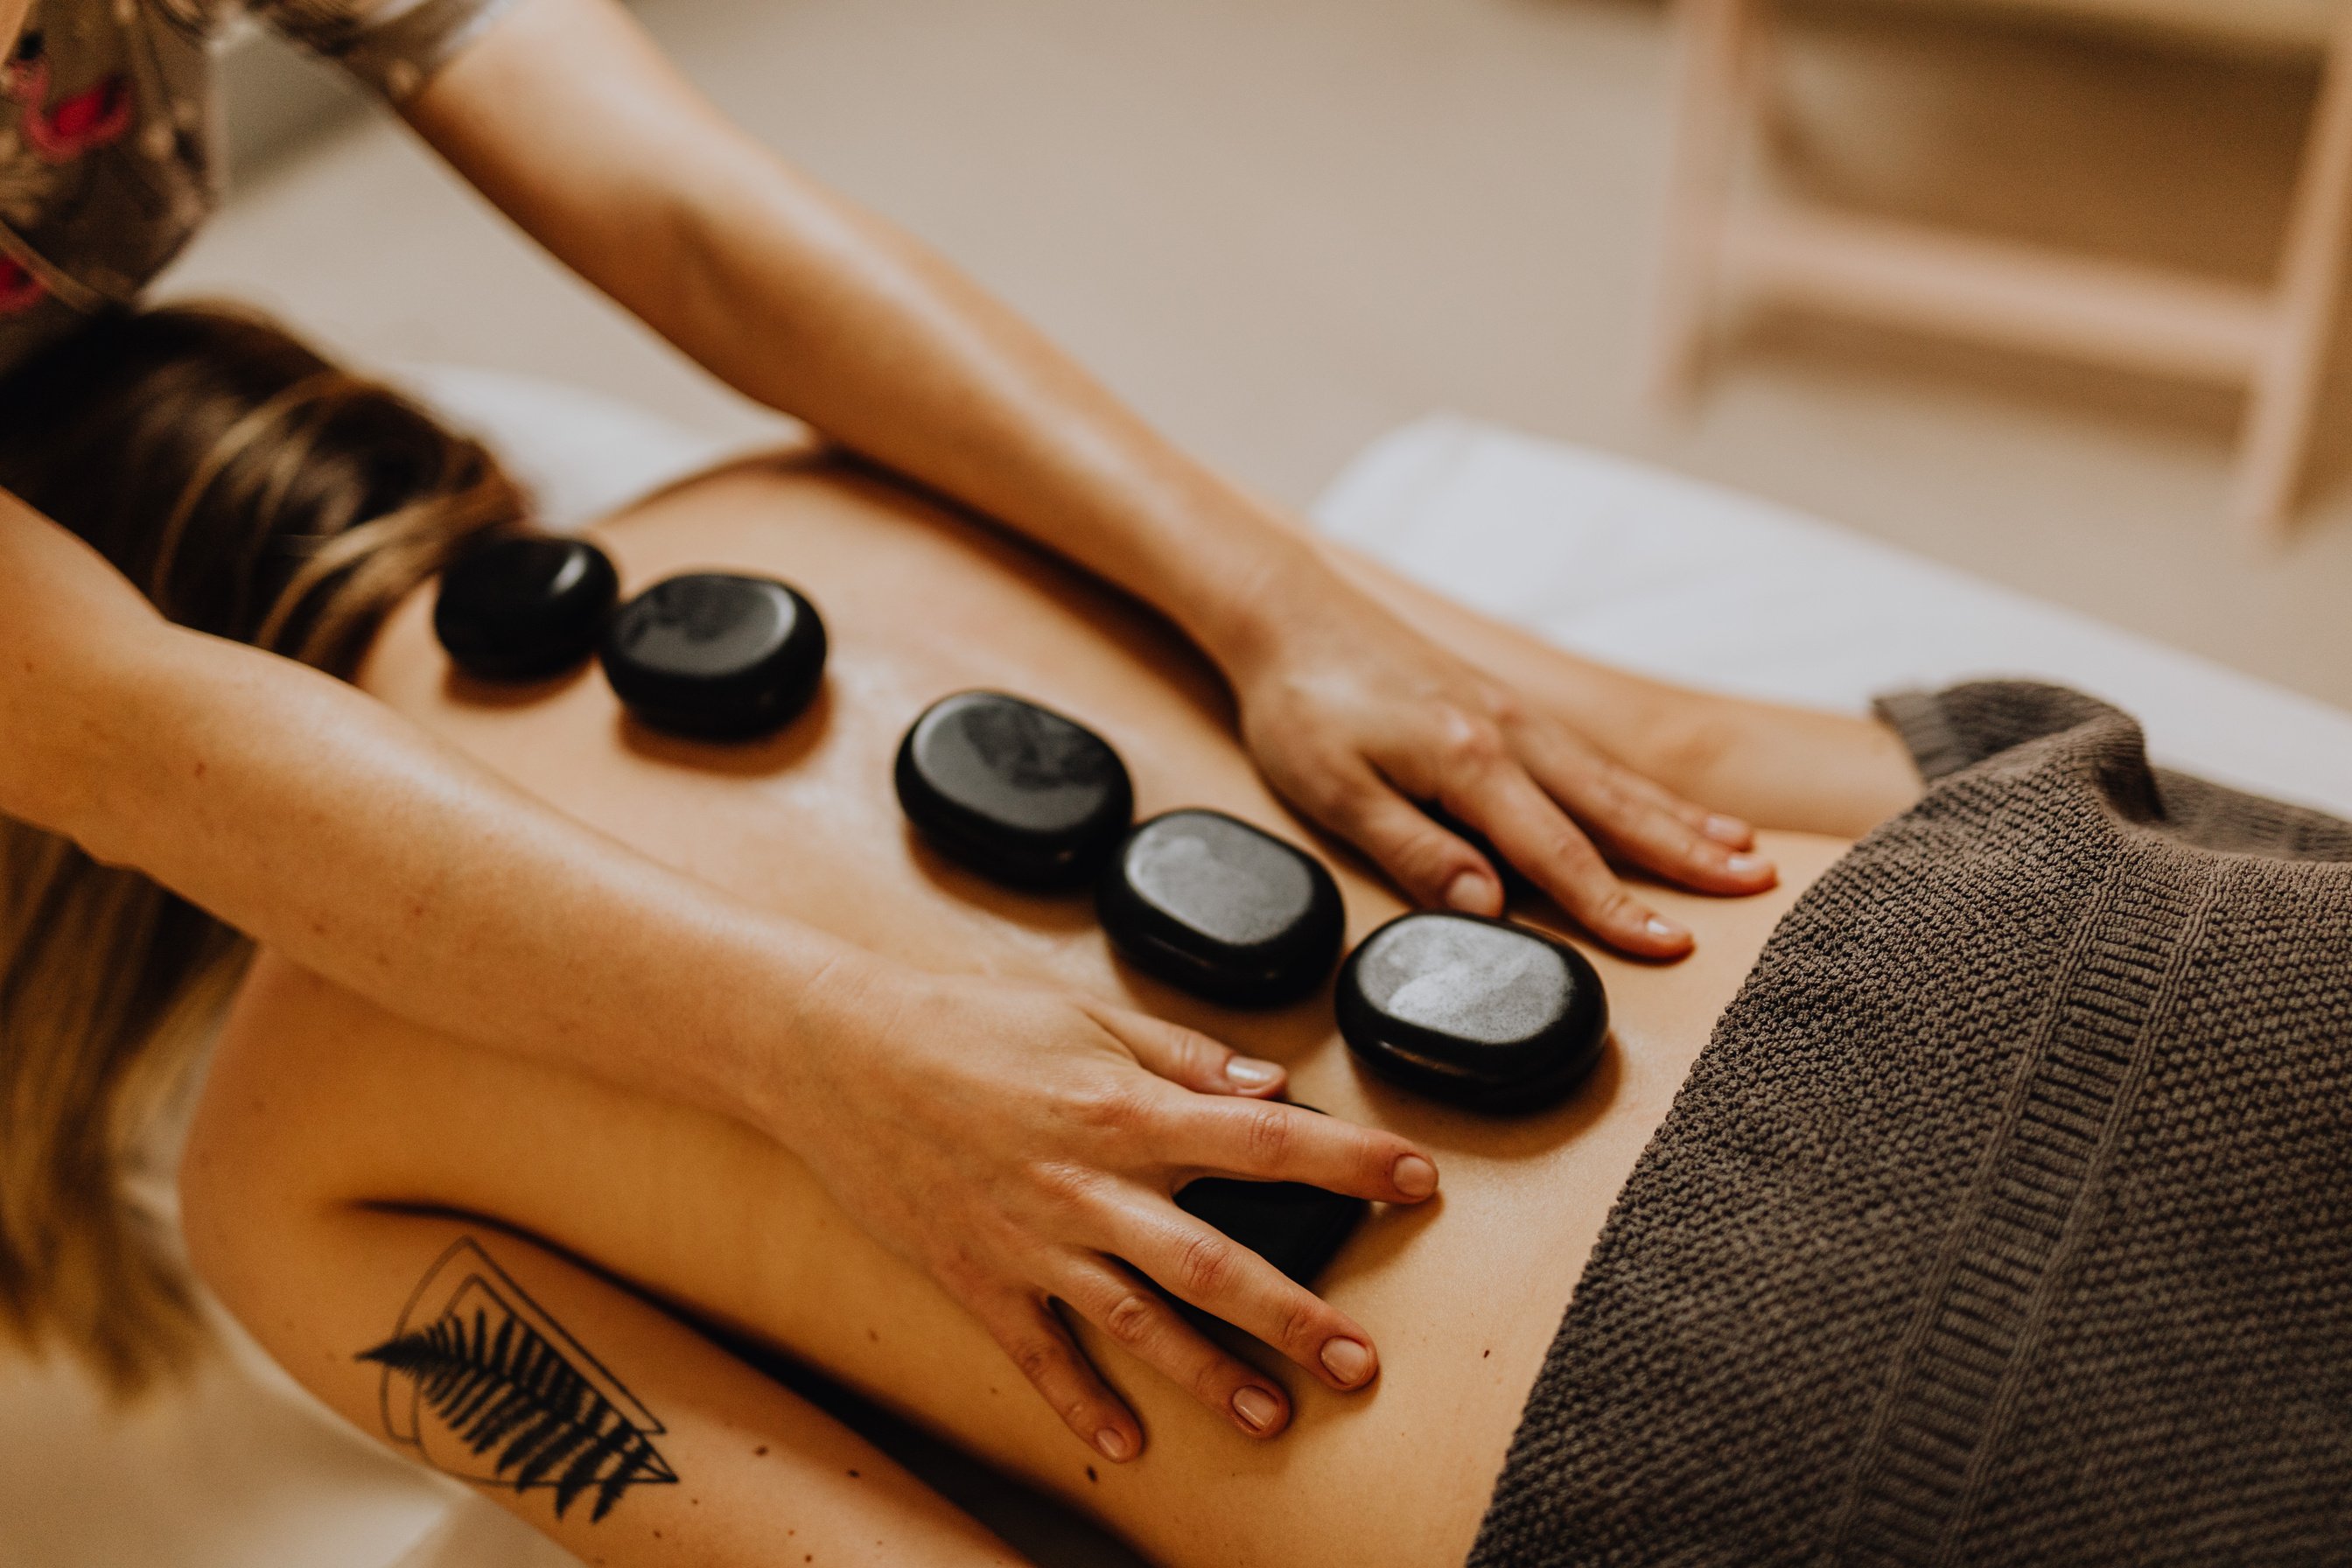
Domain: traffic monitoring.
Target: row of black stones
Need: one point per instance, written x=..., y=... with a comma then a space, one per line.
x=1462, y=1008
x=1476, y=1012
x=710, y=655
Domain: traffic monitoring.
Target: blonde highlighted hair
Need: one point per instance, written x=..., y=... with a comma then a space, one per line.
x=253, y=490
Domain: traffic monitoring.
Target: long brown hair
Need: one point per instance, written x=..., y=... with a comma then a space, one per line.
x=253, y=490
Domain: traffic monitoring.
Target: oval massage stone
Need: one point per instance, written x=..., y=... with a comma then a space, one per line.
x=524, y=606
x=1481, y=1013
x=716, y=656
x=1212, y=905
x=1014, y=791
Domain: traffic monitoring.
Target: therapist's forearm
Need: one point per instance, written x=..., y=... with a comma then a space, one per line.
x=815, y=308
x=801, y=300
x=329, y=828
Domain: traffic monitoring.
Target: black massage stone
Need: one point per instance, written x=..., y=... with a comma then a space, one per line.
x=1481, y=1013
x=1211, y=904
x=1295, y=1227
x=1014, y=791
x=524, y=606
x=716, y=656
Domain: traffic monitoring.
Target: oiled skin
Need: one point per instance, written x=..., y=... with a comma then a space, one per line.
x=320, y=1105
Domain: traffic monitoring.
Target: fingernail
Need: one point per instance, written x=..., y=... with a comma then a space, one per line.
x=1348, y=1360
x=1470, y=892
x=1248, y=1072
x=1664, y=929
x=1256, y=1408
x=1728, y=830
x=1746, y=865
x=1113, y=1445
x=1414, y=1176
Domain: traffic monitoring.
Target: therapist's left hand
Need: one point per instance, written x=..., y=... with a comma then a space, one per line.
x=1358, y=719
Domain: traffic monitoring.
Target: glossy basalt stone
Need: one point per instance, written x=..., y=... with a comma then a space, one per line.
x=714, y=656
x=1212, y=905
x=524, y=606
x=1479, y=1013
x=1295, y=1227
x=1012, y=791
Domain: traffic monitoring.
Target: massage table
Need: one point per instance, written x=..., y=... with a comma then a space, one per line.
x=1614, y=559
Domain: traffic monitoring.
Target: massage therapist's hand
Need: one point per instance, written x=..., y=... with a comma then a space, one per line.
x=1021, y=1145
x=1355, y=717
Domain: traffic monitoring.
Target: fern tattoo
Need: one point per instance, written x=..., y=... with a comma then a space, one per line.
x=523, y=1403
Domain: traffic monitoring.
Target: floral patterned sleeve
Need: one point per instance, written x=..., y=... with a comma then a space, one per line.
x=392, y=46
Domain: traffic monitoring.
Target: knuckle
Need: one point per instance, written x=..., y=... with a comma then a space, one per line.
x=1504, y=707
x=1197, y=1057
x=1066, y=1186
x=1617, y=908
x=1480, y=747
x=1131, y=1319
x=1304, y=1328
x=1566, y=846
x=1111, y=1104
x=1267, y=1134
x=1611, y=794
x=1336, y=793
x=1468, y=740
x=1204, y=1266
x=1437, y=858
x=1037, y=1359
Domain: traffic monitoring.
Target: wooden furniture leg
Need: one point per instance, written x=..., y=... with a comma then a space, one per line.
x=2287, y=376
x=1714, y=45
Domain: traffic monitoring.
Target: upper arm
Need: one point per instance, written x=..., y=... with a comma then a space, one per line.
x=572, y=121
x=590, y=1414
x=451, y=1338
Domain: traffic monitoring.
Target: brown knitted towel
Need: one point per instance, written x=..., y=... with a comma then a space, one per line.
x=2007, y=1218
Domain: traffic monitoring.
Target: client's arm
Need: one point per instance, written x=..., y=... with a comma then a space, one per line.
x=569, y=119
x=956, y=1118
x=625, y=1436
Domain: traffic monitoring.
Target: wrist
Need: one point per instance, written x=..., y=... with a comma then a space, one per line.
x=836, y=1000
x=1252, y=606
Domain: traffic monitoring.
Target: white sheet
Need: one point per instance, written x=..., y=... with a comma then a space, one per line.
x=1606, y=556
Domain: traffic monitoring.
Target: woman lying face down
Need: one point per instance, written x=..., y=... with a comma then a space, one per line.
x=1878, y=1204
x=417, y=1230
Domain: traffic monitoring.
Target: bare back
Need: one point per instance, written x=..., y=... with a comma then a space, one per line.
x=316, y=1091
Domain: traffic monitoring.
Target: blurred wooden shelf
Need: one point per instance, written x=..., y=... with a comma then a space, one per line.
x=2263, y=25
x=1723, y=240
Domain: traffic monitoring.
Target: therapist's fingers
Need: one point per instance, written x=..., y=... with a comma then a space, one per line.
x=1025, y=1327
x=1143, y=1322
x=1433, y=865
x=1221, y=1276
x=1529, y=829
x=1189, y=1057
x=1641, y=822
x=1265, y=1141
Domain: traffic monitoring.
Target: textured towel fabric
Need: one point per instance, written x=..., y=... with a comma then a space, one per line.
x=2007, y=1217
